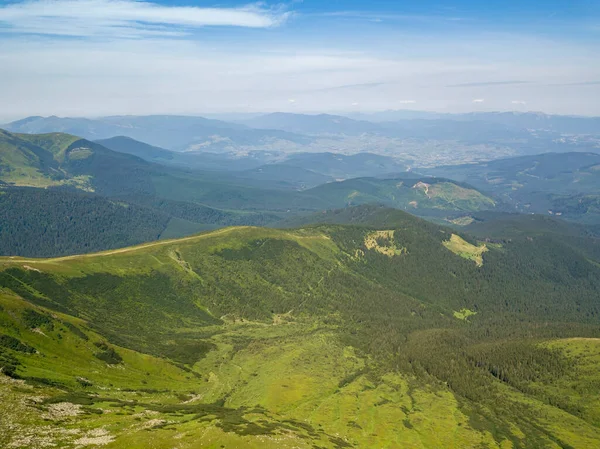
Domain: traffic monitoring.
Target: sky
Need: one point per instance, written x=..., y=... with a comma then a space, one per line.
x=112, y=57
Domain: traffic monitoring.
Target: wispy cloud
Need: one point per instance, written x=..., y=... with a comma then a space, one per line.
x=478, y=100
x=519, y=102
x=351, y=86
x=127, y=18
x=379, y=17
x=407, y=102
x=581, y=83
x=489, y=83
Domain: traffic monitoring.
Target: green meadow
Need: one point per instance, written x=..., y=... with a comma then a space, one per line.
x=249, y=337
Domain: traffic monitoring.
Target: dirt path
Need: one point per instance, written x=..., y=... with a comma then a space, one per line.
x=120, y=250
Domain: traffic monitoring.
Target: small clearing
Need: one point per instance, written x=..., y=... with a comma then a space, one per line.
x=465, y=249
x=384, y=243
x=464, y=314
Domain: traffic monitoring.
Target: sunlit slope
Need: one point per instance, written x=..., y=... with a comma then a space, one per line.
x=421, y=196
x=330, y=336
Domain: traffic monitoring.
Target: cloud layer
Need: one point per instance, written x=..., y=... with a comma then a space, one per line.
x=103, y=57
x=127, y=18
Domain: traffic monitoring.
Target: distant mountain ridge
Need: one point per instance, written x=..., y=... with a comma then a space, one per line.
x=172, y=132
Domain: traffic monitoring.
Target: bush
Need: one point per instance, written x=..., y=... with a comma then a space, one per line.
x=108, y=354
x=34, y=319
x=9, y=342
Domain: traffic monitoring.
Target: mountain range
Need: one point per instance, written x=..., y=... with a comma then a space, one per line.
x=528, y=133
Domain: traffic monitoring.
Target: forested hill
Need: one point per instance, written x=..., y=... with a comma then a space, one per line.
x=48, y=222
x=332, y=336
x=54, y=222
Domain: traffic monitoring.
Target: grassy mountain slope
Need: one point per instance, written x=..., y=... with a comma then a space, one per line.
x=23, y=162
x=91, y=166
x=419, y=195
x=329, y=336
x=132, y=191
x=563, y=183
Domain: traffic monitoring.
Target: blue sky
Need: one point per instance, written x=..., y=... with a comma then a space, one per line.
x=100, y=57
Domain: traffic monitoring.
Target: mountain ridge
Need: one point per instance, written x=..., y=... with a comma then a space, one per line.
x=252, y=337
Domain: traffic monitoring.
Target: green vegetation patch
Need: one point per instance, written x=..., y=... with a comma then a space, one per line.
x=464, y=249
x=462, y=221
x=383, y=242
x=464, y=314
x=107, y=354
x=33, y=319
x=8, y=342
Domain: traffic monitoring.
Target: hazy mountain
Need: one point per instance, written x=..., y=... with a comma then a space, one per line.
x=312, y=124
x=191, y=159
x=563, y=124
x=341, y=166
x=166, y=131
x=286, y=174
x=520, y=120
x=442, y=128
x=393, y=115
x=330, y=165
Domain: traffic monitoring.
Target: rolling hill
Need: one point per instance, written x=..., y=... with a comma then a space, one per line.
x=566, y=184
x=342, y=166
x=330, y=165
x=401, y=334
x=421, y=196
x=191, y=159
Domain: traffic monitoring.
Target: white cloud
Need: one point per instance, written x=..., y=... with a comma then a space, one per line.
x=291, y=100
x=479, y=100
x=127, y=18
x=519, y=102
x=224, y=70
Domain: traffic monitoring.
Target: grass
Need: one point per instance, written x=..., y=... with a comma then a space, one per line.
x=383, y=242
x=464, y=249
x=464, y=314
x=251, y=337
x=581, y=388
x=462, y=221
x=463, y=198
